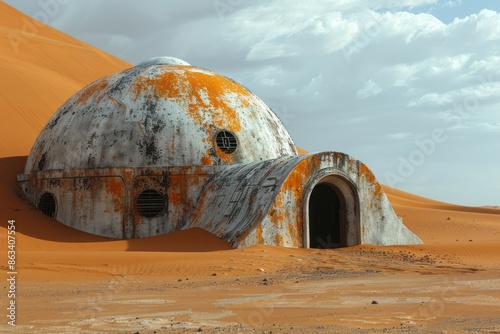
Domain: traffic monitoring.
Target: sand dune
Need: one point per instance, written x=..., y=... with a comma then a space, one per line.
x=191, y=280
x=40, y=68
x=401, y=198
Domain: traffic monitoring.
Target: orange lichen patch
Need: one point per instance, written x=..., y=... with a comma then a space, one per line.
x=92, y=90
x=204, y=93
x=365, y=172
x=227, y=158
x=277, y=214
x=115, y=187
x=292, y=229
x=163, y=85
x=175, y=198
x=217, y=88
x=206, y=160
x=315, y=160
x=299, y=175
x=294, y=185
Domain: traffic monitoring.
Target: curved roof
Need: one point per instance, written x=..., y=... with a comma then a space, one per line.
x=163, y=112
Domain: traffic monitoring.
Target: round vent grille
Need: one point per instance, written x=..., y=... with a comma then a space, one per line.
x=47, y=205
x=226, y=142
x=151, y=203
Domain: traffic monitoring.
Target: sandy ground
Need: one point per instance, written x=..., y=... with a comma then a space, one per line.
x=190, y=281
x=68, y=281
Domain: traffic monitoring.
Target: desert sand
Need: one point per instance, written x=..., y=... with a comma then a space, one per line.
x=40, y=68
x=190, y=281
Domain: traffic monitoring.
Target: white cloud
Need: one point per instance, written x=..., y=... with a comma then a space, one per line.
x=431, y=99
x=490, y=65
x=399, y=136
x=487, y=25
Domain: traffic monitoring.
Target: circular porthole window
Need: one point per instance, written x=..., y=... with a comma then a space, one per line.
x=151, y=203
x=226, y=142
x=47, y=205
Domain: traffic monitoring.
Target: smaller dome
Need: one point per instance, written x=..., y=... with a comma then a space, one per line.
x=163, y=61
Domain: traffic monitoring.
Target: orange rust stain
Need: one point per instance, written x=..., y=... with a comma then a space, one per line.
x=292, y=216
x=258, y=234
x=91, y=90
x=206, y=95
x=370, y=178
x=175, y=190
x=207, y=160
x=292, y=230
x=298, y=177
x=227, y=158
x=294, y=184
x=278, y=240
x=367, y=173
x=196, y=88
x=175, y=198
x=277, y=214
x=164, y=85
x=115, y=187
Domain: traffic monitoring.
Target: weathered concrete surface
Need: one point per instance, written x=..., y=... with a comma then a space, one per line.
x=267, y=202
x=103, y=200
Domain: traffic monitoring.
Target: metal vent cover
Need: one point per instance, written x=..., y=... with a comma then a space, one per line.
x=47, y=205
x=151, y=203
x=226, y=141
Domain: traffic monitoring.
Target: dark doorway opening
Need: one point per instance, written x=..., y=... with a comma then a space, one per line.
x=326, y=217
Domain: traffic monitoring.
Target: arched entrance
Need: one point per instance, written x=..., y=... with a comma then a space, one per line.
x=327, y=217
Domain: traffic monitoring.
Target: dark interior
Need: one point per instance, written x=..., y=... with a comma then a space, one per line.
x=324, y=217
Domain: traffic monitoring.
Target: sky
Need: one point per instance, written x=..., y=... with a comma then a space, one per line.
x=409, y=87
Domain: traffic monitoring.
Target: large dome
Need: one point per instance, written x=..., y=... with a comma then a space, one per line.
x=162, y=112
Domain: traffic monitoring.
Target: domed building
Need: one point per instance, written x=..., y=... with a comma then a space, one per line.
x=165, y=146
